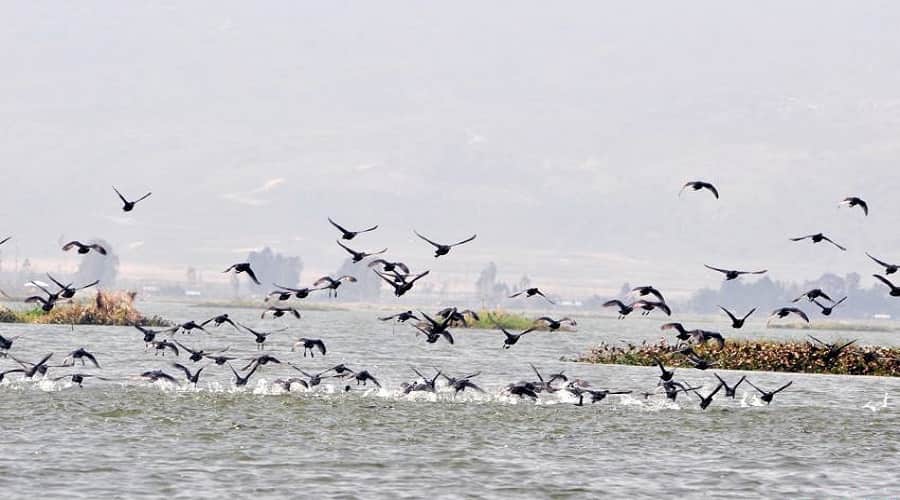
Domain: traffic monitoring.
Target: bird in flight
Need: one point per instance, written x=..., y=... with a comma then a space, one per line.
x=736, y=322
x=84, y=248
x=698, y=185
x=818, y=238
x=243, y=267
x=768, y=395
x=441, y=249
x=853, y=201
x=888, y=268
x=731, y=274
x=332, y=284
x=127, y=205
x=359, y=256
x=895, y=291
x=404, y=285
x=827, y=310
x=531, y=292
x=349, y=235
x=784, y=312
x=623, y=308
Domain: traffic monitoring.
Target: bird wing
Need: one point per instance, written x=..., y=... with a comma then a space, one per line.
x=369, y=229
x=884, y=280
x=142, y=198
x=348, y=249
x=776, y=391
x=403, y=267
x=749, y=313
x=120, y=195
x=800, y=313
x=347, y=277
x=884, y=264
x=324, y=280
x=335, y=224
x=320, y=345
x=712, y=188
x=799, y=238
x=465, y=240
x=93, y=283
x=4, y=240
x=723, y=271
x=614, y=302
x=717, y=389
x=829, y=240
x=516, y=295
x=438, y=245
x=98, y=248
x=252, y=275
x=419, y=277
x=70, y=245
x=728, y=313
x=389, y=281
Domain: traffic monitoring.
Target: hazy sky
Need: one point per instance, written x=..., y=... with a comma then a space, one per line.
x=561, y=134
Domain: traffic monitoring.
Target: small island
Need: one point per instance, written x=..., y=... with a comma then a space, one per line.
x=106, y=308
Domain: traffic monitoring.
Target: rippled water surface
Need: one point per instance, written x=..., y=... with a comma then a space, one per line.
x=824, y=436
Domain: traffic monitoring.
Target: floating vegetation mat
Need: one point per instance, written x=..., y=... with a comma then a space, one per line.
x=107, y=308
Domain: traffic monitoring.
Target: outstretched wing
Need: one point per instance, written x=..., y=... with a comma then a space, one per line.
x=829, y=240
x=438, y=245
x=882, y=263
x=465, y=240
x=338, y=226
x=723, y=271
x=728, y=313
x=124, y=200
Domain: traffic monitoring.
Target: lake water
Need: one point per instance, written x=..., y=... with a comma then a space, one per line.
x=824, y=436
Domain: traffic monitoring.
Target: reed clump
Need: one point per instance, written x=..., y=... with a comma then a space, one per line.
x=107, y=308
x=760, y=355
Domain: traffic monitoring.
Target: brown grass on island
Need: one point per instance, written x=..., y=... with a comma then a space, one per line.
x=761, y=355
x=107, y=308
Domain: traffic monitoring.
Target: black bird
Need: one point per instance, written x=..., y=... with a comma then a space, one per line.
x=624, y=310
x=80, y=354
x=832, y=351
x=154, y=375
x=698, y=185
x=219, y=359
x=342, y=370
x=197, y=354
x=895, y=292
x=188, y=327
x=683, y=333
x=435, y=326
x=4, y=240
x=444, y=249
x=68, y=291
x=818, y=238
x=511, y=338
x=314, y=378
x=128, y=206
x=596, y=395
x=219, y=321
x=732, y=390
x=731, y=274
x=7, y=342
x=649, y=305
x=853, y=201
x=359, y=256
x=768, y=395
x=457, y=316
x=191, y=377
x=349, y=235
x=300, y=293
x=401, y=317
x=332, y=284
x=309, y=345
x=404, y=286
x=262, y=359
x=521, y=389
x=280, y=295
x=666, y=375
x=705, y=401
x=643, y=291
x=280, y=311
x=672, y=388
x=784, y=312
x=83, y=248
x=424, y=384
x=32, y=369
x=432, y=336
x=736, y=322
x=260, y=336
x=363, y=377
x=161, y=345
x=541, y=385
x=531, y=292
x=390, y=267
x=149, y=335
x=288, y=382
x=460, y=384
x=76, y=378
x=47, y=304
x=888, y=268
x=814, y=294
x=241, y=380
x=243, y=267
x=704, y=336
x=553, y=324
x=827, y=310
x=700, y=363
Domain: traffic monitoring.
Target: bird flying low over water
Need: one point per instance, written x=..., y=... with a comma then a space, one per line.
x=359, y=256
x=706, y=400
x=68, y=291
x=730, y=391
x=698, y=185
x=649, y=305
x=732, y=274
x=894, y=290
x=402, y=317
x=389, y=267
x=511, y=338
x=349, y=235
x=404, y=286
x=784, y=312
x=84, y=248
x=815, y=293
x=332, y=284
x=818, y=238
x=827, y=310
x=768, y=395
x=643, y=291
x=888, y=268
x=128, y=206
x=736, y=322
x=243, y=267
x=309, y=345
x=531, y=292
x=624, y=309
x=441, y=249
x=300, y=293
x=554, y=324
x=280, y=311
x=853, y=201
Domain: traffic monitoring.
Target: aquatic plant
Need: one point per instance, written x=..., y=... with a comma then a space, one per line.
x=489, y=319
x=107, y=308
x=806, y=357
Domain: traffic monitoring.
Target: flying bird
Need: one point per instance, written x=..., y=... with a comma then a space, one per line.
x=280, y=311
x=853, y=201
x=332, y=284
x=84, y=248
x=888, y=268
x=644, y=291
x=300, y=293
x=531, y=292
x=730, y=391
x=815, y=293
x=193, y=378
x=401, y=317
x=511, y=338
x=260, y=337
x=243, y=267
x=732, y=274
x=359, y=256
x=349, y=235
x=441, y=249
x=698, y=185
x=389, y=267
x=624, y=309
x=827, y=310
x=818, y=238
x=404, y=286
x=68, y=291
x=895, y=291
x=784, y=312
x=768, y=395
x=553, y=324
x=649, y=305
x=309, y=345
x=128, y=206
x=706, y=400
x=736, y=322
x=80, y=354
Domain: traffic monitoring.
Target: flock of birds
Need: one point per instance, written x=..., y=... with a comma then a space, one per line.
x=434, y=328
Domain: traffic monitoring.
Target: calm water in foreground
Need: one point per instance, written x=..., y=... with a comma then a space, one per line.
x=824, y=436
